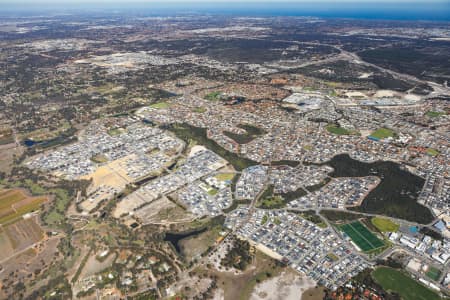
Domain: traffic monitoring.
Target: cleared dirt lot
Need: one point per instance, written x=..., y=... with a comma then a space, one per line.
x=111, y=174
x=287, y=286
x=94, y=266
x=163, y=211
x=7, y=153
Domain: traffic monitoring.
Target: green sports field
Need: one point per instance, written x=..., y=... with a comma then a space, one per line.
x=160, y=105
x=385, y=225
x=361, y=236
x=382, y=133
x=433, y=273
x=409, y=289
x=333, y=128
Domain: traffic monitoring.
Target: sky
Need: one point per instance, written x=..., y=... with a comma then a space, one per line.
x=149, y=1
x=356, y=2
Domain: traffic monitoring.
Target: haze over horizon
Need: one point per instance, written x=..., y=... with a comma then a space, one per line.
x=383, y=9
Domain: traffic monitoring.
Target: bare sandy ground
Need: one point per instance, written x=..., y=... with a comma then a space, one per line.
x=384, y=93
x=219, y=294
x=289, y=285
x=93, y=266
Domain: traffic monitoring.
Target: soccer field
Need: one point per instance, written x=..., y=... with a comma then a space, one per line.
x=361, y=236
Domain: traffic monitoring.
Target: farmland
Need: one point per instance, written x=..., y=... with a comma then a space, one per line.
x=6, y=136
x=361, y=236
x=14, y=204
x=19, y=236
x=18, y=232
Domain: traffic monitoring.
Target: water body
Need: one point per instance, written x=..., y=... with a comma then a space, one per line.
x=175, y=238
x=437, y=10
x=395, y=196
x=62, y=139
x=188, y=132
x=58, y=141
x=29, y=143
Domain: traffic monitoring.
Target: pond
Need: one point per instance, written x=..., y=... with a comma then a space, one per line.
x=395, y=196
x=175, y=238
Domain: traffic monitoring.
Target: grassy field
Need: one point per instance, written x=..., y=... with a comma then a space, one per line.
x=433, y=273
x=199, y=109
x=114, y=131
x=434, y=114
x=385, y=225
x=194, y=246
x=213, y=96
x=212, y=192
x=382, y=133
x=405, y=286
x=225, y=176
x=160, y=105
x=332, y=128
x=432, y=152
x=14, y=204
x=55, y=215
x=361, y=236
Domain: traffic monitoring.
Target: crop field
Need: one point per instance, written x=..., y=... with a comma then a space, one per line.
x=361, y=236
x=405, y=286
x=15, y=203
x=19, y=236
x=6, y=136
